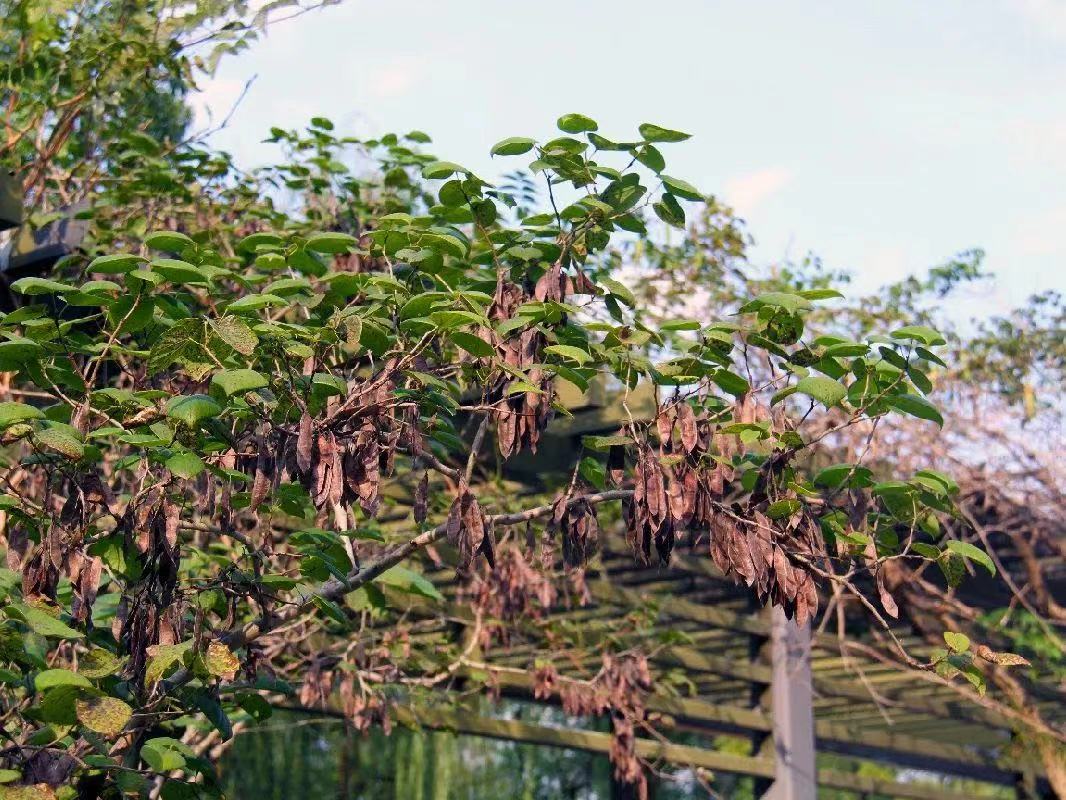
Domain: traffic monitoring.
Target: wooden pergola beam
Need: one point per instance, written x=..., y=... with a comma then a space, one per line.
x=472, y=724
x=834, y=737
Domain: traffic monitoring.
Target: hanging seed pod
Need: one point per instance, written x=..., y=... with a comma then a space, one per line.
x=579, y=528
x=421, y=502
x=304, y=445
x=264, y=468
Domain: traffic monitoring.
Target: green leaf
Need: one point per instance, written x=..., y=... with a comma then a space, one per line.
x=19, y=350
x=253, y=241
x=445, y=320
x=825, y=390
x=786, y=300
x=329, y=608
x=669, y=211
x=331, y=243
x=926, y=355
x=177, y=271
x=255, y=302
x=58, y=706
x=171, y=241
x=650, y=157
x=435, y=170
x=959, y=642
x=43, y=623
x=783, y=508
x=593, y=471
x=655, y=133
x=681, y=188
x=238, y=381
x=680, y=325
x=37, y=286
x=164, y=754
x=921, y=333
x=916, y=406
x=409, y=581
x=211, y=708
x=576, y=123
x=731, y=382
x=819, y=294
x=325, y=384
x=50, y=678
x=781, y=394
x=855, y=475
x=99, y=288
x=568, y=351
x=143, y=276
x=973, y=553
x=185, y=464
x=10, y=413
x=946, y=481
x=513, y=146
x=131, y=313
x=619, y=290
x=283, y=287
x=162, y=657
x=179, y=342
x=192, y=409
x=472, y=343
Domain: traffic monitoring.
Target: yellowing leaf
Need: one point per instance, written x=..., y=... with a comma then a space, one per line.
x=98, y=663
x=104, y=714
x=59, y=440
x=236, y=334
x=221, y=661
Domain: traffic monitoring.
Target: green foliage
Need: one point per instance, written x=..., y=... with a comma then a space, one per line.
x=226, y=394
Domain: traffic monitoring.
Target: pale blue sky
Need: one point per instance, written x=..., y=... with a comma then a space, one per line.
x=883, y=136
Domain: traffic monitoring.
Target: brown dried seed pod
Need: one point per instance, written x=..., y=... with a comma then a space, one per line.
x=686, y=418
x=421, y=502
x=263, y=480
x=304, y=445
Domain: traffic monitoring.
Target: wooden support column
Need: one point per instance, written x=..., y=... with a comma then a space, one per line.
x=759, y=694
x=795, y=772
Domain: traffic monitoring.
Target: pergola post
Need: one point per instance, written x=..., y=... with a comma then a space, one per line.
x=795, y=773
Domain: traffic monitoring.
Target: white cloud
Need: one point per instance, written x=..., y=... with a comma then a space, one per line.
x=395, y=78
x=1041, y=235
x=1047, y=16
x=1038, y=143
x=747, y=192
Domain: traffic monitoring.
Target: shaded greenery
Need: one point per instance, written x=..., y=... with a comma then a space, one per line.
x=299, y=755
